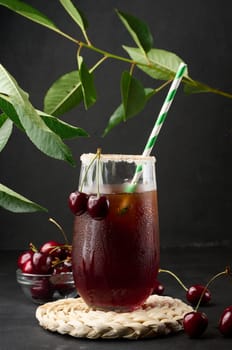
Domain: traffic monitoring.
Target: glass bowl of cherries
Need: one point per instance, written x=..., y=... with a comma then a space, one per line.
x=45, y=274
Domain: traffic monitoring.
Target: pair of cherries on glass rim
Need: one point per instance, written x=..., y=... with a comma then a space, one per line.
x=196, y=322
x=96, y=205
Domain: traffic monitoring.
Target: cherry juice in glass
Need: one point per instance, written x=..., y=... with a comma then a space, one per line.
x=116, y=258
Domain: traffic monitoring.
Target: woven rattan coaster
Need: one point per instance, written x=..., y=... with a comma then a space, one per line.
x=159, y=316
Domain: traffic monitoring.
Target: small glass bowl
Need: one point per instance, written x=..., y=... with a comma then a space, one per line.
x=43, y=288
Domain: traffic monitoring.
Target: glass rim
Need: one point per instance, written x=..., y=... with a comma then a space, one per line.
x=19, y=273
x=130, y=158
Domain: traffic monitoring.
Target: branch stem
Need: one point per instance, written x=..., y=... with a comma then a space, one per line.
x=108, y=54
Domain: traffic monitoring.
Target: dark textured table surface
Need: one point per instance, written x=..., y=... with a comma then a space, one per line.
x=19, y=328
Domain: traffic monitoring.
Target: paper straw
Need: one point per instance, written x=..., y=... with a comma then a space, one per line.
x=159, y=122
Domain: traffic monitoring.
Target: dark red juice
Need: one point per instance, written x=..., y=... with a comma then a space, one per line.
x=116, y=260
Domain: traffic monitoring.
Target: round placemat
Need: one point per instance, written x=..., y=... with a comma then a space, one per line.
x=158, y=316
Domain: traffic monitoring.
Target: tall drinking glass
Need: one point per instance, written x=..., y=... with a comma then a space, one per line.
x=116, y=258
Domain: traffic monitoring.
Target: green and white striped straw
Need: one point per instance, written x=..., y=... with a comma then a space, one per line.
x=159, y=122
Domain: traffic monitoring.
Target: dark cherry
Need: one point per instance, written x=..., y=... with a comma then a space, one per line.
x=61, y=275
x=62, y=268
x=49, y=246
x=62, y=252
x=42, y=290
x=194, y=293
x=42, y=263
x=65, y=252
x=23, y=258
x=77, y=202
x=56, y=252
x=195, y=323
x=225, y=322
x=158, y=288
x=28, y=267
x=98, y=207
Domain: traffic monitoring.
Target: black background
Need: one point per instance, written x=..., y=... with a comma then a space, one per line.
x=193, y=150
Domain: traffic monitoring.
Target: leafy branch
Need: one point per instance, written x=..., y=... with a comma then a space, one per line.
x=44, y=128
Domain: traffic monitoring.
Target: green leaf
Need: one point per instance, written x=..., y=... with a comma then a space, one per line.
x=162, y=64
x=9, y=110
x=138, y=30
x=133, y=95
x=6, y=127
x=87, y=83
x=116, y=118
x=76, y=15
x=29, y=12
x=13, y=201
x=64, y=94
x=195, y=87
x=3, y=118
x=118, y=115
x=149, y=93
x=37, y=131
x=64, y=130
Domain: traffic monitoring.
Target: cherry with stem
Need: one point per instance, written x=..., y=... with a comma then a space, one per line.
x=78, y=200
x=194, y=292
x=98, y=205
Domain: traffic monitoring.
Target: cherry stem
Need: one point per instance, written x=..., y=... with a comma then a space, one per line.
x=175, y=276
x=226, y=272
x=57, y=261
x=33, y=248
x=67, y=245
x=60, y=228
x=98, y=171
